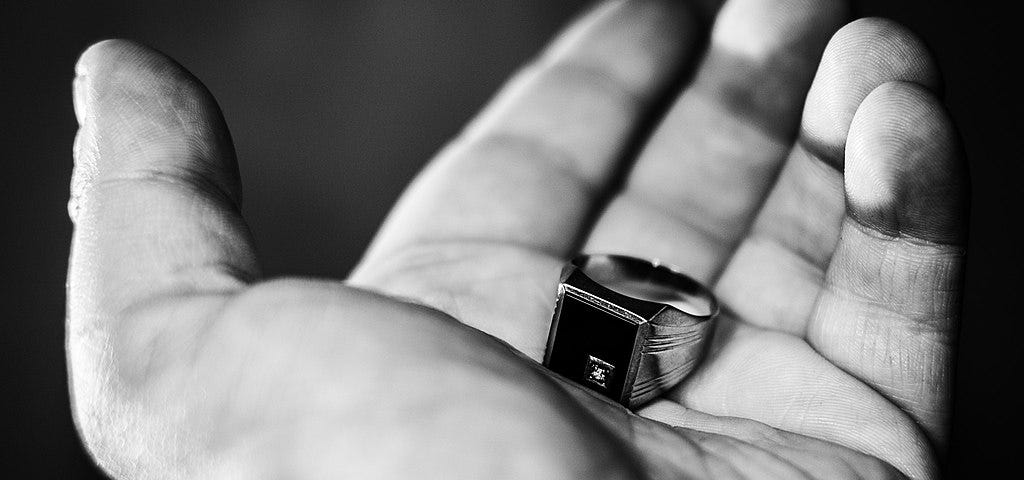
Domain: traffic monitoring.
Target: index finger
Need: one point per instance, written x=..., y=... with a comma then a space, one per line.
x=483, y=230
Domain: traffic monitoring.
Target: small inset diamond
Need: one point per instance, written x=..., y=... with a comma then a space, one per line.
x=598, y=372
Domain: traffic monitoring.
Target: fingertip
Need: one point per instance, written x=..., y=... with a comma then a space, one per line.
x=85, y=69
x=906, y=174
x=891, y=45
x=112, y=63
x=637, y=43
x=139, y=110
x=761, y=31
x=861, y=56
x=104, y=52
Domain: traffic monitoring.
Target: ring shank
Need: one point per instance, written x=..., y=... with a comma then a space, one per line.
x=649, y=281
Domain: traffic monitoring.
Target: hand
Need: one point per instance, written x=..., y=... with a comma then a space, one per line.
x=834, y=238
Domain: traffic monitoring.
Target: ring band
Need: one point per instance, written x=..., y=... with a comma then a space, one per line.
x=628, y=328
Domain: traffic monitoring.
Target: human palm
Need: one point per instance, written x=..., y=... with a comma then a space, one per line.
x=820, y=191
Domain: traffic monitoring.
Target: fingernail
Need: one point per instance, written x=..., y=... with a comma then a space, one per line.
x=83, y=148
x=80, y=93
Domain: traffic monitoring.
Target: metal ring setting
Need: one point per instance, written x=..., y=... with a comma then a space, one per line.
x=628, y=328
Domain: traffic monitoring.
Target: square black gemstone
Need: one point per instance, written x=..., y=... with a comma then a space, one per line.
x=592, y=346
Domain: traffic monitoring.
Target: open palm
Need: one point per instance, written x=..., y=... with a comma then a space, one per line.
x=806, y=171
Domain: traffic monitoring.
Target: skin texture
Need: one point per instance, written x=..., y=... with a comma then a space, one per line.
x=801, y=165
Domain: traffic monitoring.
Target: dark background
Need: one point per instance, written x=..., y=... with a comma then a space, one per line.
x=335, y=105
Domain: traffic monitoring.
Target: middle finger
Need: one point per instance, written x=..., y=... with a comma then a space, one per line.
x=707, y=167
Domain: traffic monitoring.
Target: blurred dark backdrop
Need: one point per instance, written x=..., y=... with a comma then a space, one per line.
x=335, y=105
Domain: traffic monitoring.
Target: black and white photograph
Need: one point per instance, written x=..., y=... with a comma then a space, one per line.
x=512, y=239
